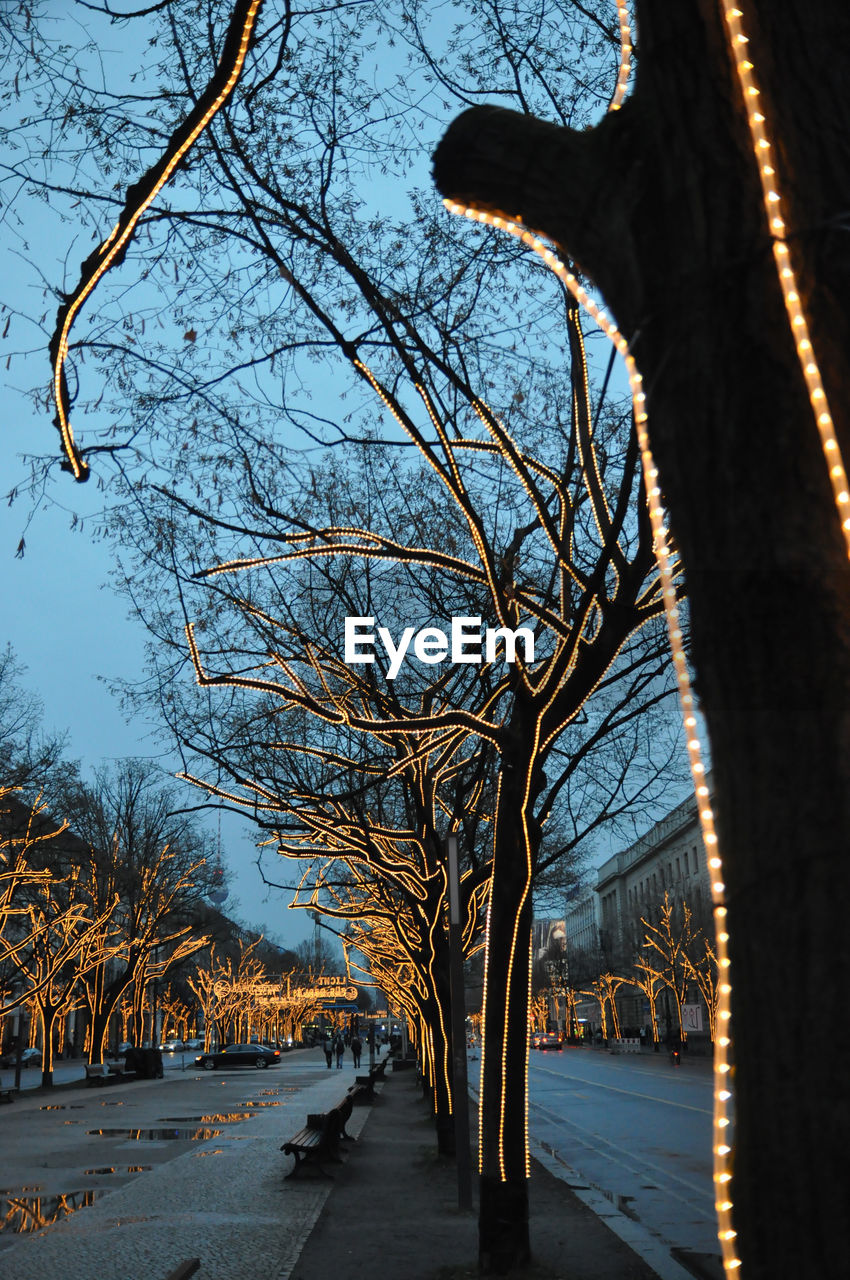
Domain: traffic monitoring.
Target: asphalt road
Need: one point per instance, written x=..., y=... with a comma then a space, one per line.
x=637, y=1128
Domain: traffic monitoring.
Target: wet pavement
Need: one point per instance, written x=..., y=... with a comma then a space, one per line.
x=236, y=1211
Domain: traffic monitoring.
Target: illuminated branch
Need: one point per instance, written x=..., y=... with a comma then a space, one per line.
x=139, y=197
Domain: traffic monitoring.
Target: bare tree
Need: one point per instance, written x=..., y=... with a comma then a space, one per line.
x=134, y=848
x=681, y=207
x=544, y=540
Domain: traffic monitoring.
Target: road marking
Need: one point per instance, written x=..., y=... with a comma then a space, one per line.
x=635, y=1161
x=629, y=1093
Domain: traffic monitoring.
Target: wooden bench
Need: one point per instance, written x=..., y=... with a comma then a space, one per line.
x=343, y=1110
x=317, y=1141
x=365, y=1085
x=361, y=1091
x=106, y=1072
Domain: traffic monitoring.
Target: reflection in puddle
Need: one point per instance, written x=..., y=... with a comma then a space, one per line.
x=227, y=1117
x=156, y=1135
x=111, y=1168
x=61, y=1106
x=20, y=1213
x=115, y=1104
x=216, y=1151
x=262, y=1104
x=16, y=1191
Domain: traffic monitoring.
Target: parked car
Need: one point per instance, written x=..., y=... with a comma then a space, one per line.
x=29, y=1058
x=193, y=1044
x=239, y=1055
x=550, y=1042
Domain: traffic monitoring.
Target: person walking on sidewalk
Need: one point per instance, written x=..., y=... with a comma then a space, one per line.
x=340, y=1050
x=328, y=1047
x=356, y=1050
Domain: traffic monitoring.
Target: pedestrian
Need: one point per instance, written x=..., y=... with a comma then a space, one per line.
x=356, y=1050
x=340, y=1051
x=328, y=1047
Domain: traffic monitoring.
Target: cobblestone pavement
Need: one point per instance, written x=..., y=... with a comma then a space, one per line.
x=225, y=1200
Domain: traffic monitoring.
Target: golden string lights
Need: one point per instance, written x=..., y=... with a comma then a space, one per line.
x=763, y=150
x=723, y=1099
x=722, y=1067
x=625, y=67
x=139, y=198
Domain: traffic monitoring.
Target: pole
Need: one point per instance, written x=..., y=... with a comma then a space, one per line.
x=459, y=1082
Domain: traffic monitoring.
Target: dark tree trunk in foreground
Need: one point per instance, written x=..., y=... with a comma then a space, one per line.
x=660, y=206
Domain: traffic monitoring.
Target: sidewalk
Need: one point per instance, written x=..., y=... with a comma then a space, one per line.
x=226, y=1201
x=392, y=1203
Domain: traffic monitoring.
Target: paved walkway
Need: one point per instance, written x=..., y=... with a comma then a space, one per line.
x=226, y=1201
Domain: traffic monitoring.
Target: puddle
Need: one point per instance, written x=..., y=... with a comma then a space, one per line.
x=216, y=1151
x=22, y=1213
x=157, y=1135
x=61, y=1106
x=111, y=1168
x=262, y=1104
x=116, y=1104
x=228, y=1117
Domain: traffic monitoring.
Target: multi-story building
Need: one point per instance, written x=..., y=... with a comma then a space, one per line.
x=603, y=922
x=670, y=858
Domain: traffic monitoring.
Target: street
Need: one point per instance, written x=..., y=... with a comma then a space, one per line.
x=637, y=1128
x=633, y=1126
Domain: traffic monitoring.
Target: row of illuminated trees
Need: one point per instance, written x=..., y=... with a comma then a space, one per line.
x=105, y=942
x=670, y=958
x=333, y=408
x=291, y=288
x=104, y=914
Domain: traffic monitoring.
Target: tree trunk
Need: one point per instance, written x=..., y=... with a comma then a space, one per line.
x=660, y=205
x=503, y=1239
x=48, y=1015
x=436, y=1061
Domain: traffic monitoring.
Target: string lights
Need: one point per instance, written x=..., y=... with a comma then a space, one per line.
x=625, y=67
x=723, y=1099
x=113, y=247
x=763, y=151
x=722, y=1093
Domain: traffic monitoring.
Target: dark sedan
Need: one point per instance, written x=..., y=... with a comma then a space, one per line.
x=29, y=1058
x=240, y=1055
x=549, y=1042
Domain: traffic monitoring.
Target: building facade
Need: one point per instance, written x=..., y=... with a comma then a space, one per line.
x=603, y=922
